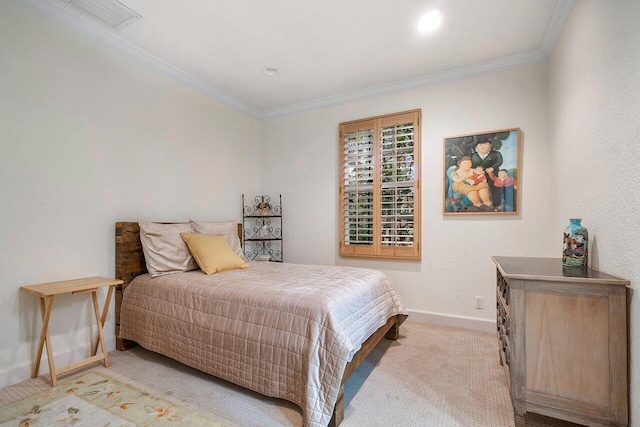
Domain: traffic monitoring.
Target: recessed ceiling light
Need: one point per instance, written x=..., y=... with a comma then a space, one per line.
x=271, y=71
x=430, y=21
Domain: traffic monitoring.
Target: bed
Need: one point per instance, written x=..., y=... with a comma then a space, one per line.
x=290, y=331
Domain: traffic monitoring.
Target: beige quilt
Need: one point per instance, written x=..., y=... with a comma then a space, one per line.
x=283, y=330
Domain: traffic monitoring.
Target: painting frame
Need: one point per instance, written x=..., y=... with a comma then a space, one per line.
x=482, y=173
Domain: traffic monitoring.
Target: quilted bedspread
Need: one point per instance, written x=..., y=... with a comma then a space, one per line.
x=283, y=330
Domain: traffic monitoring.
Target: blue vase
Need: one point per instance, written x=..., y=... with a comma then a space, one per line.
x=575, y=251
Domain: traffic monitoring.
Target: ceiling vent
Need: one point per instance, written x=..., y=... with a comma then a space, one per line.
x=109, y=12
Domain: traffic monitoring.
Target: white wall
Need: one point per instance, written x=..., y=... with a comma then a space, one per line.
x=595, y=141
x=87, y=138
x=300, y=160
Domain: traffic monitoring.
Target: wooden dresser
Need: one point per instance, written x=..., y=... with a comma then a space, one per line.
x=563, y=340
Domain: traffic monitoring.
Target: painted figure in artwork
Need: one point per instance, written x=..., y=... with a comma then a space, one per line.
x=568, y=245
x=506, y=186
x=478, y=193
x=490, y=159
x=477, y=176
x=578, y=246
x=574, y=246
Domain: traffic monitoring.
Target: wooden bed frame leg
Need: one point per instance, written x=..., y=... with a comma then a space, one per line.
x=338, y=410
x=122, y=344
x=394, y=332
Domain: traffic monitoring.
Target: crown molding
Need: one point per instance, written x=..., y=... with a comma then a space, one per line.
x=556, y=25
x=67, y=17
x=504, y=63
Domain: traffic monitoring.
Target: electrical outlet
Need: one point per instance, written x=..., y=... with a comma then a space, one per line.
x=479, y=303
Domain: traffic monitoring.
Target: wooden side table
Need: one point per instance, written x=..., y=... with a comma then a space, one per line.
x=46, y=292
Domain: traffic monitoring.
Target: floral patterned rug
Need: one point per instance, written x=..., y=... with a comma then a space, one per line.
x=94, y=400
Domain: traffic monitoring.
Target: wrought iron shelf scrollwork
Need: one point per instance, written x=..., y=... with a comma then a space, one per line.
x=260, y=240
x=262, y=229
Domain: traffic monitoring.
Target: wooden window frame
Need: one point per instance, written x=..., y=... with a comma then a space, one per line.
x=377, y=249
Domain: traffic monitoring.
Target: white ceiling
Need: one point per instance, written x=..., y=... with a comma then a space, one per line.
x=329, y=51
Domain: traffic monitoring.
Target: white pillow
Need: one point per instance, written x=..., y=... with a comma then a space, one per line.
x=229, y=229
x=164, y=250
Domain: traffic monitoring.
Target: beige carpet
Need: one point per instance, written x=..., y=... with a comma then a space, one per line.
x=431, y=376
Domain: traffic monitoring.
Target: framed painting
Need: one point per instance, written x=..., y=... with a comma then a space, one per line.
x=481, y=173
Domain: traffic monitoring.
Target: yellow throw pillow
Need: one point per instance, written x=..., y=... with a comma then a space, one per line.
x=212, y=253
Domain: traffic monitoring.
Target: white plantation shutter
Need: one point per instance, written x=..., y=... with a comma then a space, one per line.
x=379, y=187
x=358, y=160
x=398, y=176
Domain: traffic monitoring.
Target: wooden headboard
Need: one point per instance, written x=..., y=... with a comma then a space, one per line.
x=129, y=264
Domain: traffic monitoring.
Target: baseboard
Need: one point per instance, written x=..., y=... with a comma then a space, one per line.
x=22, y=371
x=442, y=319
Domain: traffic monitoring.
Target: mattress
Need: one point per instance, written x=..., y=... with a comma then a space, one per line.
x=283, y=330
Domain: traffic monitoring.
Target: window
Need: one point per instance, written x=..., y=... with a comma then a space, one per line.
x=380, y=187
